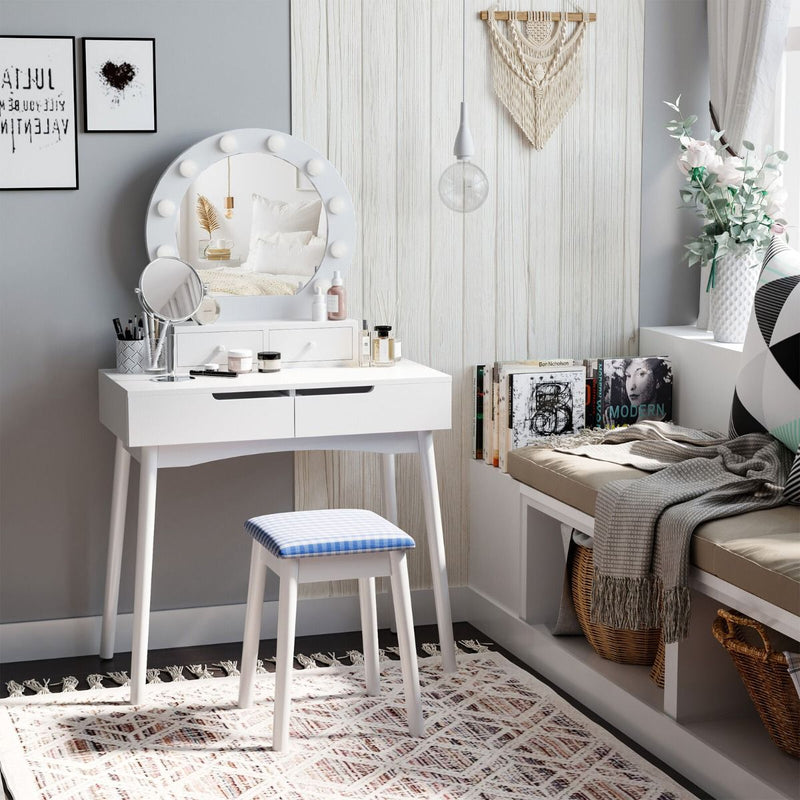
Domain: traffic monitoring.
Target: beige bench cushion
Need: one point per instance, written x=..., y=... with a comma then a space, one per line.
x=758, y=552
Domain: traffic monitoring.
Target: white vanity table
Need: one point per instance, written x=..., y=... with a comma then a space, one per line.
x=370, y=409
x=317, y=404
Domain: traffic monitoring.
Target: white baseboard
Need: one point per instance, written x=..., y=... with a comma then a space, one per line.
x=186, y=627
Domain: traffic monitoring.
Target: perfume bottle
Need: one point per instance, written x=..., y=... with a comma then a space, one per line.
x=382, y=347
x=364, y=355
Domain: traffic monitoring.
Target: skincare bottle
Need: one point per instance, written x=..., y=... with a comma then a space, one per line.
x=382, y=345
x=319, y=308
x=337, y=307
x=269, y=361
x=240, y=360
x=364, y=358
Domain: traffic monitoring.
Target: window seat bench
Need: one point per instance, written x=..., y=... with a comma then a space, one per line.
x=702, y=723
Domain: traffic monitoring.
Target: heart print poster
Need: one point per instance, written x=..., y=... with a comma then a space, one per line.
x=120, y=85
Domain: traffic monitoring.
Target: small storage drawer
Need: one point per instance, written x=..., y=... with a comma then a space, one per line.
x=203, y=347
x=331, y=343
x=224, y=415
x=372, y=408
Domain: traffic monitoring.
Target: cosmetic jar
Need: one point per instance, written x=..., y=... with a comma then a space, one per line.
x=269, y=361
x=240, y=360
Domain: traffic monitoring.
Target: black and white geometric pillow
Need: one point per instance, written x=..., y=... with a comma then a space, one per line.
x=767, y=394
x=792, y=491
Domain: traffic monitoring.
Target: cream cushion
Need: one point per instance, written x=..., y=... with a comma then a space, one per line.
x=758, y=552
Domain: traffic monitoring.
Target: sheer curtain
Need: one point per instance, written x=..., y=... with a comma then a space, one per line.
x=745, y=46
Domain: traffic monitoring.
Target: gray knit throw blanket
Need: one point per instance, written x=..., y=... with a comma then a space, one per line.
x=643, y=527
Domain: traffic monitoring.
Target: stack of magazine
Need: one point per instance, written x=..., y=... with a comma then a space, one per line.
x=518, y=403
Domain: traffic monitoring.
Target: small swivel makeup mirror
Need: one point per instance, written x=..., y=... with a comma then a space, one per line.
x=171, y=291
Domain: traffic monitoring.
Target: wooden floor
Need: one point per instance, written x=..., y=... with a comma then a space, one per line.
x=339, y=643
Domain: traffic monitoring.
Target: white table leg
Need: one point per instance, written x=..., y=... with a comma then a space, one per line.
x=389, y=487
x=433, y=519
x=144, y=570
x=116, y=537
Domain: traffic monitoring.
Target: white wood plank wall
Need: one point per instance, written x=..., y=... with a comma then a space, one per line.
x=548, y=266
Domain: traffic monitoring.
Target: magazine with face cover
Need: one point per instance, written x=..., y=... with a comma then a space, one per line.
x=635, y=389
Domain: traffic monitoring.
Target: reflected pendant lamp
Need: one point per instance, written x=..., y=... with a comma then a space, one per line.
x=463, y=185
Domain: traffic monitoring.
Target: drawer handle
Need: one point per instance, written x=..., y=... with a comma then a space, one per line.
x=335, y=390
x=249, y=395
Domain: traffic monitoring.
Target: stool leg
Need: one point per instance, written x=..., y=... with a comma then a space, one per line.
x=369, y=633
x=401, y=596
x=287, y=611
x=252, y=624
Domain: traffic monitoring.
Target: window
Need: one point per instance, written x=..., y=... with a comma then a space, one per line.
x=787, y=122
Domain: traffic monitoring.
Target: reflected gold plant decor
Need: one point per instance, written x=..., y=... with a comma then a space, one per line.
x=206, y=215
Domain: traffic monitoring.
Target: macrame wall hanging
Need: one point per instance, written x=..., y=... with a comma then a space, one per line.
x=537, y=66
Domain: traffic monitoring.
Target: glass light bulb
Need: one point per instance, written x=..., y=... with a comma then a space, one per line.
x=463, y=186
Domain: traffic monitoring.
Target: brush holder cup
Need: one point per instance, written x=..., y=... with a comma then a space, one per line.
x=132, y=356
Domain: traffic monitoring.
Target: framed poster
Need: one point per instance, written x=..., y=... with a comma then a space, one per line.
x=38, y=141
x=119, y=78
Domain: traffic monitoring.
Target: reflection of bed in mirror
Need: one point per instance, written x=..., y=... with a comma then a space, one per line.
x=270, y=243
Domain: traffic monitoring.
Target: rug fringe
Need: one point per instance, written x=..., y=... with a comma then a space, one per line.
x=227, y=668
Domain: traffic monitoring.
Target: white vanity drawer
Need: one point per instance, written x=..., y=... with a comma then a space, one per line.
x=196, y=347
x=331, y=343
x=224, y=415
x=373, y=408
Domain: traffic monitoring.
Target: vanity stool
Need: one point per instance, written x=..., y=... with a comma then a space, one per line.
x=330, y=544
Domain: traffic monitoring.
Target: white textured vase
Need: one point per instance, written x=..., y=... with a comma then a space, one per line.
x=731, y=298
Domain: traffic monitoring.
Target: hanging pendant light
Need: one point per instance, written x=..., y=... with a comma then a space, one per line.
x=463, y=185
x=229, y=198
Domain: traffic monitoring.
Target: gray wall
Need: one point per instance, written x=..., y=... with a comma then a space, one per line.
x=675, y=62
x=70, y=262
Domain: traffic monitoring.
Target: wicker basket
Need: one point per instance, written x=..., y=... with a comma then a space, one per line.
x=657, y=670
x=615, y=644
x=765, y=677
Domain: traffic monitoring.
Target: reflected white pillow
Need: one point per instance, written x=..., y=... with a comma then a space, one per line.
x=296, y=253
x=276, y=216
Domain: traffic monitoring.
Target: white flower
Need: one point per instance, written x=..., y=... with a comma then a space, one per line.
x=769, y=180
x=698, y=154
x=776, y=204
x=729, y=174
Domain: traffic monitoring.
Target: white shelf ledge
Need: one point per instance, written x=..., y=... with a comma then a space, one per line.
x=704, y=373
x=690, y=333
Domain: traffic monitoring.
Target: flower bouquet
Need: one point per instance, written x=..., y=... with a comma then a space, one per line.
x=741, y=200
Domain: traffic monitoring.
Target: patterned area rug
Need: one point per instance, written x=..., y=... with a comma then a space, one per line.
x=492, y=731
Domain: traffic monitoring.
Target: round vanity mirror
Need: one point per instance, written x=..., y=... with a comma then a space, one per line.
x=261, y=216
x=171, y=291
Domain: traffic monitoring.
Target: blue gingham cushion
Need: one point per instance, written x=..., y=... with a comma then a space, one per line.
x=297, y=534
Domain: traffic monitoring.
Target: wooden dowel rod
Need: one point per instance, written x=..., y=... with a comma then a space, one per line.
x=522, y=16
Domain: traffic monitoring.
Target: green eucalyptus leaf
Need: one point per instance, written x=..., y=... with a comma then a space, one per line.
x=782, y=155
x=748, y=145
